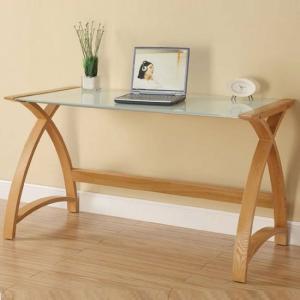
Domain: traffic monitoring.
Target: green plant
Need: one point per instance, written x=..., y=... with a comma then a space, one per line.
x=90, y=39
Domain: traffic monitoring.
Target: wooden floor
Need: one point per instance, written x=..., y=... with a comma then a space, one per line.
x=84, y=256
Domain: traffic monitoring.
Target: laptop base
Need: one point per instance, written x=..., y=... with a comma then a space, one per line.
x=147, y=99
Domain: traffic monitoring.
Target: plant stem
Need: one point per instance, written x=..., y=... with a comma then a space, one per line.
x=90, y=39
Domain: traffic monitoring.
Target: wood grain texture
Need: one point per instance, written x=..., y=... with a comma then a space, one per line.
x=241, y=258
x=268, y=110
x=15, y=97
x=43, y=123
x=265, y=121
x=28, y=208
x=167, y=186
x=277, y=183
x=261, y=236
x=62, y=153
x=88, y=256
x=21, y=173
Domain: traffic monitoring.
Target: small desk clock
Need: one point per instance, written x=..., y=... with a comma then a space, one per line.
x=242, y=87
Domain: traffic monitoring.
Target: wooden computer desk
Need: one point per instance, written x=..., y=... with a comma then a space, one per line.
x=264, y=118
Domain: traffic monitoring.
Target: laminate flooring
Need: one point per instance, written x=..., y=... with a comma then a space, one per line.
x=57, y=255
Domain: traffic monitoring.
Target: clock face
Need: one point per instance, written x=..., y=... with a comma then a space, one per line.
x=242, y=87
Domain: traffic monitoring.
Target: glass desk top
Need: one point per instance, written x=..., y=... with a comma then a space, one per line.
x=199, y=105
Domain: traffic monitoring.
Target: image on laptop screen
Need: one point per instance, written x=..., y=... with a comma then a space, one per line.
x=162, y=69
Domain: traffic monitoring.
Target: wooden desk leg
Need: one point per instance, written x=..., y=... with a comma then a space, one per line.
x=277, y=183
x=13, y=213
x=266, y=152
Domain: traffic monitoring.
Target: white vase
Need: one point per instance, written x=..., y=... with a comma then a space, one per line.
x=89, y=98
x=91, y=83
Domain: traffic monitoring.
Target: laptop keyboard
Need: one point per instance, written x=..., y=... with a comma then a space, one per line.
x=149, y=97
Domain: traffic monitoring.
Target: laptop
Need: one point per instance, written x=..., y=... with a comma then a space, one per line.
x=159, y=76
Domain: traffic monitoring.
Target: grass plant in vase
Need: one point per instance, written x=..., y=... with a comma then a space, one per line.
x=90, y=37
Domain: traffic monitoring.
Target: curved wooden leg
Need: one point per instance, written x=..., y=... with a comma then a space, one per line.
x=65, y=161
x=62, y=152
x=242, y=243
x=66, y=164
x=20, y=175
x=44, y=123
x=266, y=152
x=28, y=208
x=277, y=183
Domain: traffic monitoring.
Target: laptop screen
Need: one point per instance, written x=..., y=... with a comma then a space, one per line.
x=160, y=69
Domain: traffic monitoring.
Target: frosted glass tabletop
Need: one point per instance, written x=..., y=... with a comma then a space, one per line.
x=200, y=105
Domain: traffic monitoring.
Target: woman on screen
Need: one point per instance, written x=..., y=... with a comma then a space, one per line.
x=145, y=75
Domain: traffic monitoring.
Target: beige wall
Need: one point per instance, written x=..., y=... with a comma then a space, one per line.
x=228, y=39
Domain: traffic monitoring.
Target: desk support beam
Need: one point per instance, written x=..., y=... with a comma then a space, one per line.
x=168, y=186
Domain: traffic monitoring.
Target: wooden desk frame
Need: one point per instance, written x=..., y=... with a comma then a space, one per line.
x=265, y=121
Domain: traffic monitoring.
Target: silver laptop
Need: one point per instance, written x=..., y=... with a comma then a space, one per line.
x=159, y=76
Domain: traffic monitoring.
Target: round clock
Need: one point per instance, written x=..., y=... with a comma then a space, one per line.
x=243, y=87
